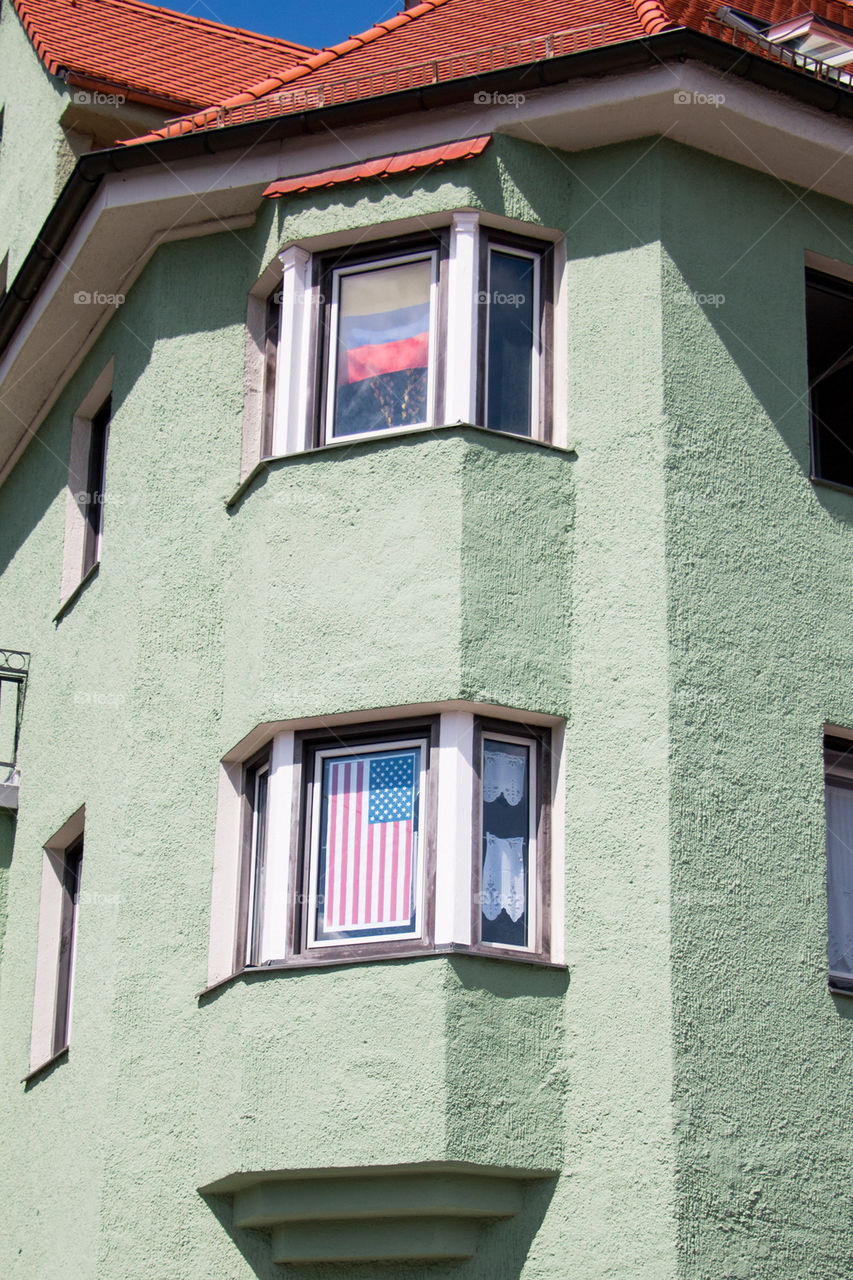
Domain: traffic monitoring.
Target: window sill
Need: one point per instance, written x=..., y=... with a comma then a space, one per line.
x=69, y=601
x=385, y=438
x=840, y=984
x=831, y=484
x=44, y=1069
x=301, y=963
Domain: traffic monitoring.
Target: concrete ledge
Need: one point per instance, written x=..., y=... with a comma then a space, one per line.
x=375, y=1214
x=402, y=1240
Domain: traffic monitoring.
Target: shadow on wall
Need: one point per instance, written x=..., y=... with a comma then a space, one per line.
x=7, y=842
x=738, y=241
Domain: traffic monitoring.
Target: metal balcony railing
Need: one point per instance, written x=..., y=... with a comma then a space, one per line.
x=14, y=669
x=755, y=43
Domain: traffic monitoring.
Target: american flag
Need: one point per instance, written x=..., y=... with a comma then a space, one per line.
x=371, y=841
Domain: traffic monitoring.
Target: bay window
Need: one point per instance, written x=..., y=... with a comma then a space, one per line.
x=454, y=325
x=390, y=838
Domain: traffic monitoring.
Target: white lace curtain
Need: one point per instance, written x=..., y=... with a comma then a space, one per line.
x=503, y=775
x=503, y=878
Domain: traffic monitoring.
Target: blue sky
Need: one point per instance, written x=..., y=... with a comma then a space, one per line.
x=311, y=22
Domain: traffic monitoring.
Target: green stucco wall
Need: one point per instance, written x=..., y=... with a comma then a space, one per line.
x=677, y=593
x=34, y=155
x=761, y=650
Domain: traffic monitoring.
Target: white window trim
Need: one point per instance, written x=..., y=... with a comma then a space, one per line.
x=49, y=936
x=454, y=760
x=460, y=400
x=293, y=363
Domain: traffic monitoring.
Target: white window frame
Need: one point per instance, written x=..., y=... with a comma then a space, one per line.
x=312, y=941
x=532, y=903
x=360, y=268
x=536, y=353
x=448, y=877
x=458, y=337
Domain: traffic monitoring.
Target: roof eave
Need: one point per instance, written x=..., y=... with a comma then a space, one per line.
x=680, y=44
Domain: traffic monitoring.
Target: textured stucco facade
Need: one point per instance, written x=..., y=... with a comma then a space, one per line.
x=673, y=587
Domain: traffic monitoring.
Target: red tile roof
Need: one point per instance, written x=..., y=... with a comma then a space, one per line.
x=443, y=39
x=435, y=29
x=151, y=55
x=380, y=166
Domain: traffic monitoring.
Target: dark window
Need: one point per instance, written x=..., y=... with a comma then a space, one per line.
x=838, y=764
x=829, y=327
x=255, y=829
x=94, y=504
x=515, y=321
x=511, y=866
x=512, y=341
x=71, y=869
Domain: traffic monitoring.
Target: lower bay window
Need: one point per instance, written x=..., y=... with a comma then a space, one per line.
x=454, y=325
x=385, y=839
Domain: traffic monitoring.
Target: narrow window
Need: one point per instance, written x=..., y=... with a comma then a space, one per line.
x=512, y=343
x=380, y=362
x=508, y=841
x=72, y=863
x=94, y=501
x=256, y=789
x=365, y=873
x=829, y=329
x=272, y=335
x=838, y=764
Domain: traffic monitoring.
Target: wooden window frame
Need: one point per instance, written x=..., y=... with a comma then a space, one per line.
x=539, y=867
x=307, y=748
x=72, y=866
x=542, y=428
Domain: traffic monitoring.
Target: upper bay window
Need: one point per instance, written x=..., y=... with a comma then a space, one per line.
x=450, y=326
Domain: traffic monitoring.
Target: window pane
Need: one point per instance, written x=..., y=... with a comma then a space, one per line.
x=259, y=857
x=382, y=348
x=504, y=894
x=97, y=477
x=839, y=877
x=829, y=320
x=73, y=863
x=368, y=867
x=512, y=334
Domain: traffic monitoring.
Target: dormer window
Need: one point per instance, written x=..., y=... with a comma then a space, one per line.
x=816, y=38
